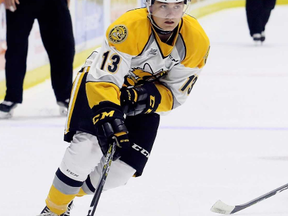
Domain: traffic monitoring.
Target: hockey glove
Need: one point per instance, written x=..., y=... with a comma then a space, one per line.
x=109, y=122
x=143, y=99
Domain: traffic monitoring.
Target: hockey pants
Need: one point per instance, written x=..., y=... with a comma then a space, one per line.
x=77, y=174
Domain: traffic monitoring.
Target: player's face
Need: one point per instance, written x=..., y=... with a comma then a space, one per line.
x=167, y=15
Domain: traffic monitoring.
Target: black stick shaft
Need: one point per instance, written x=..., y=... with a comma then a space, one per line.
x=102, y=181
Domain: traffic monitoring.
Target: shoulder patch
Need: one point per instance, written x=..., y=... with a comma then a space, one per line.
x=118, y=34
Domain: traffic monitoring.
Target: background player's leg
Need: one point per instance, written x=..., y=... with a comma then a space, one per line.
x=57, y=35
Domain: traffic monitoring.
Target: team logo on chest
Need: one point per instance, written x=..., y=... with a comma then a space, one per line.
x=118, y=34
x=139, y=75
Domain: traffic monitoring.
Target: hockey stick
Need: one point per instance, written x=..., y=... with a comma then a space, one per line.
x=222, y=208
x=105, y=171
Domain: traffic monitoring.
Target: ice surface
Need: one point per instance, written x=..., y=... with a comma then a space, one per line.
x=229, y=141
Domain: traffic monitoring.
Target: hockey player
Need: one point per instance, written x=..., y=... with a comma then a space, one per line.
x=148, y=64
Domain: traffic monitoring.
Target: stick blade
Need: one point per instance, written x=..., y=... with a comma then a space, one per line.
x=222, y=208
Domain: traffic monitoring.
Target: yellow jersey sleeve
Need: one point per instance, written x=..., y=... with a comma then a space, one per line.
x=194, y=37
x=128, y=34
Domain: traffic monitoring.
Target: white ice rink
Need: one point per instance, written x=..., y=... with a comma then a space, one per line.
x=229, y=141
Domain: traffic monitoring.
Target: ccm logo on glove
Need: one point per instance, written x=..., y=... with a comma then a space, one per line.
x=102, y=115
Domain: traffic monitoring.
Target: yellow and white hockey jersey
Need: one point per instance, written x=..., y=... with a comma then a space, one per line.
x=133, y=53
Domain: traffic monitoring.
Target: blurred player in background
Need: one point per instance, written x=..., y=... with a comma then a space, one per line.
x=258, y=13
x=57, y=35
x=147, y=65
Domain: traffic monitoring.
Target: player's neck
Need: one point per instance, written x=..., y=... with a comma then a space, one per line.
x=165, y=38
x=168, y=38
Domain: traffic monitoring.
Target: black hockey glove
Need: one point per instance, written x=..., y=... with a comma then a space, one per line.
x=143, y=99
x=109, y=122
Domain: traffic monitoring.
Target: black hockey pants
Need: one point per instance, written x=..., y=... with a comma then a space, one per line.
x=258, y=13
x=56, y=32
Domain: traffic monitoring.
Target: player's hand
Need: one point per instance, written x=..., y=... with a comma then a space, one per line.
x=11, y=4
x=109, y=122
x=142, y=99
x=118, y=130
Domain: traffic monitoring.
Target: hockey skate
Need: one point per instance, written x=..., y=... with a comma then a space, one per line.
x=257, y=39
x=46, y=211
x=6, y=109
x=263, y=37
x=63, y=107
